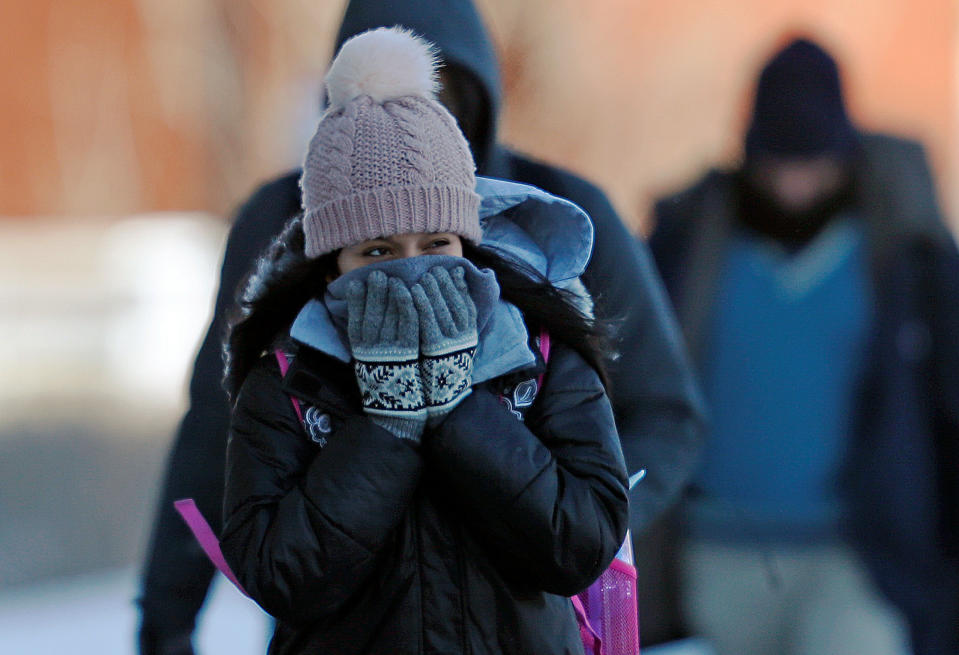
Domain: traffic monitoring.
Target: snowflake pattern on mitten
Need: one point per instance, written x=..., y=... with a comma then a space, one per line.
x=448, y=377
x=390, y=388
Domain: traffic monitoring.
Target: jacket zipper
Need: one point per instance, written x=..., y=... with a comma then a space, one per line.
x=418, y=550
x=461, y=571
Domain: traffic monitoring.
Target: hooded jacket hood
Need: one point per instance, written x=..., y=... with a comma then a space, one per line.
x=456, y=29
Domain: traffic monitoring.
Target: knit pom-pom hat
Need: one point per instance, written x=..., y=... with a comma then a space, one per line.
x=387, y=158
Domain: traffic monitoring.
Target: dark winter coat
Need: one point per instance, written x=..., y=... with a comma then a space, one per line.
x=657, y=409
x=467, y=543
x=902, y=471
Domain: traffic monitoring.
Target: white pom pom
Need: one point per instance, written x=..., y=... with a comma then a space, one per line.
x=385, y=63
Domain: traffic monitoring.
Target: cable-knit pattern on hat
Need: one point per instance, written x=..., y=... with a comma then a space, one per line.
x=451, y=152
x=414, y=138
x=329, y=159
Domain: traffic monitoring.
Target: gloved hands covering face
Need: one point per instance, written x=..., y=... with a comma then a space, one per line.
x=448, y=338
x=413, y=348
x=383, y=330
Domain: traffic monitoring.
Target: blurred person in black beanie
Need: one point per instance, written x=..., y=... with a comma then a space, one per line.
x=818, y=291
x=656, y=403
x=800, y=147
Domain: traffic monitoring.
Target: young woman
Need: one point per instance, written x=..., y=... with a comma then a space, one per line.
x=439, y=467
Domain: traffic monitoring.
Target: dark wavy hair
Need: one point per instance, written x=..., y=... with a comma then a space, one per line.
x=284, y=279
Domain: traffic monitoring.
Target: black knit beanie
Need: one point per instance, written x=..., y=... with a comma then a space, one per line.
x=799, y=110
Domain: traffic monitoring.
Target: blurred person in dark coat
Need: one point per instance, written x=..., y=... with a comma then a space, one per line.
x=657, y=408
x=818, y=291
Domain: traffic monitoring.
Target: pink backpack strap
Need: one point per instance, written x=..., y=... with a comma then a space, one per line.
x=198, y=525
x=544, y=351
x=204, y=535
x=587, y=632
x=284, y=363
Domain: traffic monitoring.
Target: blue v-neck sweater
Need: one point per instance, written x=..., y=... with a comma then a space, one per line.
x=785, y=353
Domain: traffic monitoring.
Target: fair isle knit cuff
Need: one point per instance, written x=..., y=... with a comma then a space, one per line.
x=386, y=211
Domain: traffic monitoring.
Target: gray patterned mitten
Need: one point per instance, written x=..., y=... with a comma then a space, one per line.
x=384, y=337
x=448, y=338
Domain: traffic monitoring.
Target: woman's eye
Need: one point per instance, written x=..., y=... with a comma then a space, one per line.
x=375, y=252
x=440, y=243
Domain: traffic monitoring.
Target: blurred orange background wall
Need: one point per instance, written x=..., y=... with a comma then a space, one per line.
x=112, y=108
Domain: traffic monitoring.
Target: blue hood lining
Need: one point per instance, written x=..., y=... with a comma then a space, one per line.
x=550, y=233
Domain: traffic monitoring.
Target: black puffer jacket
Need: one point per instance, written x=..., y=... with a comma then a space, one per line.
x=466, y=543
x=658, y=409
